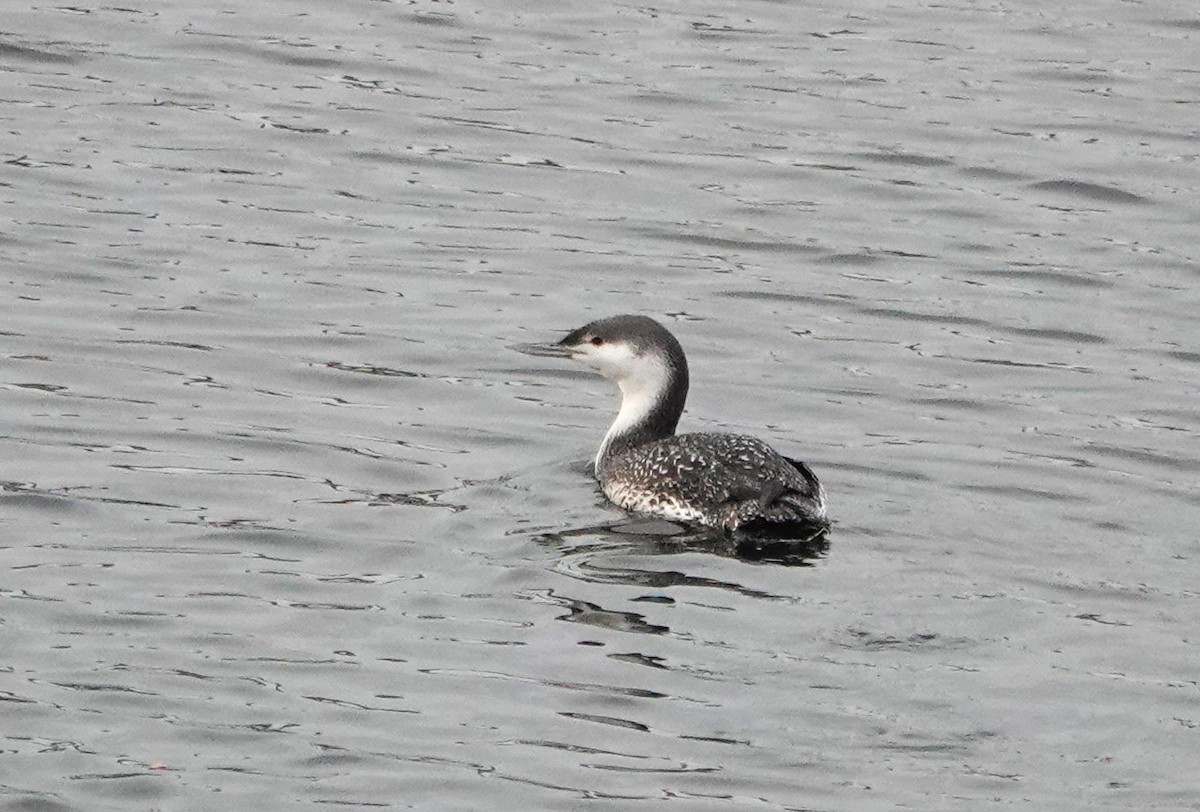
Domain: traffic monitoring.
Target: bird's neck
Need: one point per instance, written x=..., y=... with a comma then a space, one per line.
x=651, y=405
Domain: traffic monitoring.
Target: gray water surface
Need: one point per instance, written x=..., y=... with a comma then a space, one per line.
x=284, y=522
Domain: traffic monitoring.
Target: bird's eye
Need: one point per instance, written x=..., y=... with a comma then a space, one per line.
x=597, y=341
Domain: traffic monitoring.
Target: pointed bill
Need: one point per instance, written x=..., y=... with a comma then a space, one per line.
x=543, y=350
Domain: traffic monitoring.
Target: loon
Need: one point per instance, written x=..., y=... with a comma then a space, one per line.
x=725, y=481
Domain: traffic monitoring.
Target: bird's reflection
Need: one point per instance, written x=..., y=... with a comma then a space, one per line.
x=601, y=553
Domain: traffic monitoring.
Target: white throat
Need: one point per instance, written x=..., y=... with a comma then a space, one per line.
x=641, y=391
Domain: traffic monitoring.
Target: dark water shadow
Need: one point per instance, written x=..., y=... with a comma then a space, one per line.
x=589, y=553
